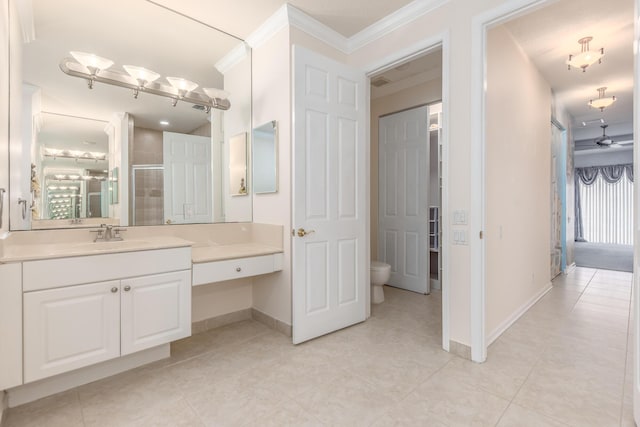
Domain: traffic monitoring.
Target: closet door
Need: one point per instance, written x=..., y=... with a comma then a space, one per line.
x=403, y=190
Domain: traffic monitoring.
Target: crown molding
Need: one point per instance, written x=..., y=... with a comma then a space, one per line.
x=294, y=17
x=269, y=28
x=317, y=29
x=392, y=22
x=232, y=58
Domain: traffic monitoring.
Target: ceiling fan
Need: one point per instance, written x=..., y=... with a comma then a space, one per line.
x=604, y=141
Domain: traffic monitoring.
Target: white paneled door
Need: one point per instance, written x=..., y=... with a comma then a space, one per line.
x=330, y=216
x=187, y=178
x=403, y=211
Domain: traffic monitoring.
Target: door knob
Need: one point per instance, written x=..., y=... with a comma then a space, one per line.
x=302, y=232
x=169, y=221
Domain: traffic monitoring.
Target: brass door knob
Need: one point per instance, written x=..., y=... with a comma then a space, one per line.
x=168, y=221
x=302, y=232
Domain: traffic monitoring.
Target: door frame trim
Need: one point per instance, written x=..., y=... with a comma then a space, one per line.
x=480, y=25
x=438, y=41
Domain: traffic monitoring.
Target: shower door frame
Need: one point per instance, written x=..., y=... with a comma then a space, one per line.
x=135, y=168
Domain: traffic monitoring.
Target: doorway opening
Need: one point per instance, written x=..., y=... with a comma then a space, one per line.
x=569, y=92
x=408, y=184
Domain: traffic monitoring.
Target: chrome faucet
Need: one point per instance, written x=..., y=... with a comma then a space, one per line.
x=107, y=233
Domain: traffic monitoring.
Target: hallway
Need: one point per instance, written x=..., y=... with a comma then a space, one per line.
x=566, y=362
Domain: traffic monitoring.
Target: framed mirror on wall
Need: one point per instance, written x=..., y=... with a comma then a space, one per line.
x=158, y=103
x=265, y=158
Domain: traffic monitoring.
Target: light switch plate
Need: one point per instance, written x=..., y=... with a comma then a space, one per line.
x=459, y=217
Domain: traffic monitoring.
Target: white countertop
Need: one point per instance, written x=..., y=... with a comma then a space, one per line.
x=30, y=252
x=210, y=253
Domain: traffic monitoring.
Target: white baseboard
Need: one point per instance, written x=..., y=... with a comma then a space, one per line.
x=48, y=386
x=516, y=315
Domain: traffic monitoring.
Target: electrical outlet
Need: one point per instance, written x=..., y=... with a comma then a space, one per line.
x=459, y=217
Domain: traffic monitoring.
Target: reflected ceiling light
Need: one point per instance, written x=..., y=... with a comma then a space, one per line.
x=602, y=101
x=164, y=122
x=142, y=75
x=586, y=57
x=215, y=93
x=145, y=79
x=183, y=86
x=93, y=63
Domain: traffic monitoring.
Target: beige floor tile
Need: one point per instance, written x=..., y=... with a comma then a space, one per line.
x=572, y=395
x=346, y=401
x=506, y=369
x=125, y=399
x=235, y=401
x=517, y=416
x=455, y=403
x=288, y=414
x=60, y=410
x=175, y=414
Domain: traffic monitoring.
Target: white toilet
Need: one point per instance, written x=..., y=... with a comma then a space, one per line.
x=380, y=273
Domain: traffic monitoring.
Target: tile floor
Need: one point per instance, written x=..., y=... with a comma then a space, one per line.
x=566, y=362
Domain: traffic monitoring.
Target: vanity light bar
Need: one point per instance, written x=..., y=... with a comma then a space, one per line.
x=64, y=177
x=73, y=68
x=73, y=154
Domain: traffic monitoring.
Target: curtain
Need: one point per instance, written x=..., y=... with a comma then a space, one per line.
x=577, y=223
x=610, y=174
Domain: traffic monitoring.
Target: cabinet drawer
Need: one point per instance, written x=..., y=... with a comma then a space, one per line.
x=55, y=273
x=217, y=271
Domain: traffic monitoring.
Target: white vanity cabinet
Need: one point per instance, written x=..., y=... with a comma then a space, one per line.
x=71, y=325
x=155, y=310
x=69, y=328
x=10, y=321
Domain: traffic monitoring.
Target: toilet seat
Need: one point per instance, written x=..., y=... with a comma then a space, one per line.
x=378, y=265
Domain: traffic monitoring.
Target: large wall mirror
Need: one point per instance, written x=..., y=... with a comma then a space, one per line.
x=125, y=112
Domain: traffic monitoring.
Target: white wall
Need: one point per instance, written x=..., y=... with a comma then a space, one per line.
x=237, y=120
x=271, y=101
x=220, y=298
x=518, y=179
x=421, y=94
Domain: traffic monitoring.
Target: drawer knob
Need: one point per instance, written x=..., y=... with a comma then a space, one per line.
x=238, y=269
x=114, y=289
x=127, y=288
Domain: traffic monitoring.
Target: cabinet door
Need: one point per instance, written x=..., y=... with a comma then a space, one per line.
x=10, y=325
x=155, y=310
x=69, y=328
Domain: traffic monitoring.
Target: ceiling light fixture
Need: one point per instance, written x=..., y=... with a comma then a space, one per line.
x=604, y=141
x=96, y=69
x=142, y=76
x=586, y=57
x=183, y=86
x=602, y=101
x=93, y=63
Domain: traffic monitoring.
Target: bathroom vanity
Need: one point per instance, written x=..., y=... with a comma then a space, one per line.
x=78, y=310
